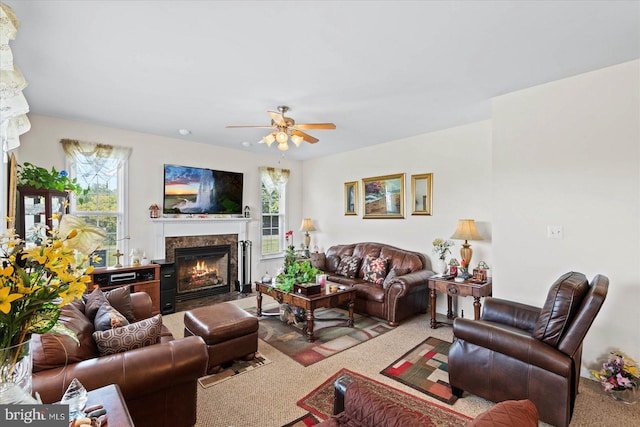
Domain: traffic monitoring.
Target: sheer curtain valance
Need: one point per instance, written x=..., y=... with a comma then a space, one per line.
x=80, y=150
x=274, y=178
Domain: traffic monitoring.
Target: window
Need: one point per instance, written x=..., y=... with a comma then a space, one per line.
x=102, y=169
x=273, y=186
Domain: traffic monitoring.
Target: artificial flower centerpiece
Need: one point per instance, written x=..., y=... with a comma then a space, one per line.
x=441, y=248
x=35, y=281
x=619, y=373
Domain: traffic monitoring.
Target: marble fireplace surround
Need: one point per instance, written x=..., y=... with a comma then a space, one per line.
x=170, y=233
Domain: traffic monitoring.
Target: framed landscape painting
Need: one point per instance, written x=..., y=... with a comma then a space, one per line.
x=383, y=196
x=421, y=186
x=351, y=198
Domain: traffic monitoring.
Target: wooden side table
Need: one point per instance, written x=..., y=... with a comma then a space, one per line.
x=112, y=400
x=452, y=288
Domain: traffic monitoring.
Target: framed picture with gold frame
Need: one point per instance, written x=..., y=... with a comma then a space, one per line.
x=421, y=194
x=383, y=196
x=351, y=198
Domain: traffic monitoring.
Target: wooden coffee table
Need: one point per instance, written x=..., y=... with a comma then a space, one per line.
x=309, y=303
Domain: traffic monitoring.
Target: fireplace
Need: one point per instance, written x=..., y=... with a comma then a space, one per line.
x=202, y=271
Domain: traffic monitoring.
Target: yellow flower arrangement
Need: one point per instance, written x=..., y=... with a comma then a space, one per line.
x=36, y=280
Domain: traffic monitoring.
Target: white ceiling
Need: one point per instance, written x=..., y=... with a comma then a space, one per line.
x=379, y=70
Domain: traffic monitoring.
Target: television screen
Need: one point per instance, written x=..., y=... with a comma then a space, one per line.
x=189, y=190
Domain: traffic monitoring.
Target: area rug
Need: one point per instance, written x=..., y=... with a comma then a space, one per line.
x=320, y=401
x=425, y=368
x=237, y=367
x=332, y=336
x=304, y=421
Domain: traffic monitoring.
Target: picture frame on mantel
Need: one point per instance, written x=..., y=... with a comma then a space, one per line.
x=383, y=196
x=351, y=198
x=421, y=194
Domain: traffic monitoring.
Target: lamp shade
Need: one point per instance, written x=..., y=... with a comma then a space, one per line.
x=307, y=225
x=466, y=230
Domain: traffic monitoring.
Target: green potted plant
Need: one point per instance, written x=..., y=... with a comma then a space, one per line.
x=38, y=177
x=295, y=272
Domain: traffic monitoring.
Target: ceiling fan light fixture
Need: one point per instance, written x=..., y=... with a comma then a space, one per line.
x=296, y=139
x=283, y=146
x=269, y=139
x=282, y=137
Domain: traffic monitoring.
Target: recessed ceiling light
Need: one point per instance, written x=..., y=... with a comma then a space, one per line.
x=246, y=144
x=184, y=132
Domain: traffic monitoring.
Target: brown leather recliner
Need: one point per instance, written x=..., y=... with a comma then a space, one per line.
x=516, y=351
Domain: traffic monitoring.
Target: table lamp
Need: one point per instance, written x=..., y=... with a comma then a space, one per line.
x=307, y=226
x=466, y=231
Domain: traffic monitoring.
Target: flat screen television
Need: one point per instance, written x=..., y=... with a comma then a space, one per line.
x=189, y=190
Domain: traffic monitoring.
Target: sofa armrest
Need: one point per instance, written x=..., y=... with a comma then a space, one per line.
x=141, y=304
x=512, y=342
x=412, y=280
x=137, y=372
x=510, y=313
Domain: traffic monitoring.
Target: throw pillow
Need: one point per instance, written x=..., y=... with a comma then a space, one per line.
x=375, y=269
x=108, y=317
x=395, y=272
x=348, y=266
x=93, y=302
x=135, y=335
x=318, y=260
x=120, y=299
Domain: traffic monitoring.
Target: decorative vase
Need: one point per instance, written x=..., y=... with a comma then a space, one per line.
x=15, y=373
x=628, y=395
x=439, y=266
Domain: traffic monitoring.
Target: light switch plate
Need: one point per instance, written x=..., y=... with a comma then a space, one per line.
x=554, y=232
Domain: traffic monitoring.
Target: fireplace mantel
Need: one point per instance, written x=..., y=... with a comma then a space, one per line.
x=184, y=226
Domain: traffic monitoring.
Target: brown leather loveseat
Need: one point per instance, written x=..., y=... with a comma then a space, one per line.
x=395, y=293
x=158, y=382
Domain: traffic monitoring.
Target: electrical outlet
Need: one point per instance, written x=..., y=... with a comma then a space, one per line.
x=554, y=231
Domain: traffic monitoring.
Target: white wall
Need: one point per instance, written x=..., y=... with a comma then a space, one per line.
x=460, y=160
x=567, y=153
x=146, y=174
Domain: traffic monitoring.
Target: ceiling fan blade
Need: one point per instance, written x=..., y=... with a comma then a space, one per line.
x=258, y=127
x=310, y=139
x=277, y=118
x=315, y=126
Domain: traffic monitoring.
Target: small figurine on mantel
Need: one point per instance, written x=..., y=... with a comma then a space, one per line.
x=118, y=254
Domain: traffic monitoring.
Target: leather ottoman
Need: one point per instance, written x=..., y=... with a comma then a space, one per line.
x=229, y=332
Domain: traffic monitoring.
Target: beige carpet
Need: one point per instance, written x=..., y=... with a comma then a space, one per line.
x=267, y=397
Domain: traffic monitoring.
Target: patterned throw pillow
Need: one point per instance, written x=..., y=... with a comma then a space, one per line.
x=348, y=266
x=395, y=272
x=140, y=334
x=375, y=269
x=108, y=317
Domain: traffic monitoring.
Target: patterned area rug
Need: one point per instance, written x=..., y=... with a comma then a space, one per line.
x=304, y=421
x=320, y=401
x=425, y=368
x=231, y=370
x=332, y=336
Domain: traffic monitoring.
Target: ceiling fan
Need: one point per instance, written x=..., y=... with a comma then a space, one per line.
x=286, y=127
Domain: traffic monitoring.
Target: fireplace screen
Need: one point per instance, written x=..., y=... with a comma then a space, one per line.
x=202, y=268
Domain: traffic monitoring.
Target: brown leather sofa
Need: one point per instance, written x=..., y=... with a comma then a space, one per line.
x=400, y=297
x=354, y=405
x=516, y=351
x=158, y=382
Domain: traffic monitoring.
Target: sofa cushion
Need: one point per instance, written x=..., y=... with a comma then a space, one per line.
x=395, y=272
x=563, y=300
x=53, y=350
x=349, y=266
x=332, y=262
x=521, y=413
x=135, y=335
x=375, y=269
x=108, y=317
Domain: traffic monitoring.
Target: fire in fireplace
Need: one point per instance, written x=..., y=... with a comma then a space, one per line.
x=202, y=271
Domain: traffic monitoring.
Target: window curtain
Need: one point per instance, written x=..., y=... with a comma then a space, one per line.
x=274, y=178
x=13, y=104
x=97, y=156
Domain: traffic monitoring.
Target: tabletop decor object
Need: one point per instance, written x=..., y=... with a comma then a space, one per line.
x=466, y=231
x=620, y=377
x=35, y=281
x=441, y=249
